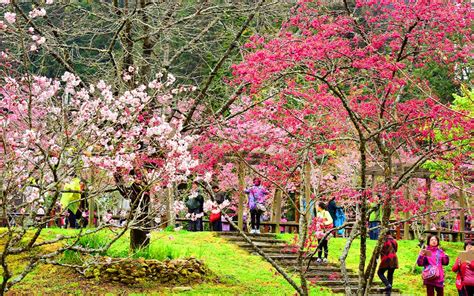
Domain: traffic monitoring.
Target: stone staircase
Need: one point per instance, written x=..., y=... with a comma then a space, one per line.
x=325, y=275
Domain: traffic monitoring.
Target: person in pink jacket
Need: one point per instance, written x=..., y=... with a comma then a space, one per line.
x=433, y=256
x=465, y=273
x=256, y=200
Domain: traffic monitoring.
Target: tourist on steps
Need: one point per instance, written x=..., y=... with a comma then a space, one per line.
x=256, y=202
x=323, y=223
x=388, y=261
x=465, y=273
x=432, y=259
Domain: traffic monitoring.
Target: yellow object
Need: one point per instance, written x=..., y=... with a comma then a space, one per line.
x=71, y=200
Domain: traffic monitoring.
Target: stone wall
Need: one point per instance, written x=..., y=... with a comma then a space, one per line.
x=136, y=271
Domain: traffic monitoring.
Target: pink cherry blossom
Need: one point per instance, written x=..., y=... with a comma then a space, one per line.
x=10, y=17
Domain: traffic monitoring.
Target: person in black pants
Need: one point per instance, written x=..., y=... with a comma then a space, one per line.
x=219, y=198
x=323, y=223
x=195, y=204
x=256, y=202
x=71, y=219
x=389, y=262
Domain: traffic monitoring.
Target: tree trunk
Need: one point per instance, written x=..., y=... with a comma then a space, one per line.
x=363, y=217
x=303, y=227
x=463, y=206
x=372, y=266
x=305, y=216
x=342, y=258
x=140, y=229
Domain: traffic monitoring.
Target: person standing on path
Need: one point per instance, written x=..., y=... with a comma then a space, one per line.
x=374, y=221
x=71, y=199
x=323, y=222
x=256, y=202
x=456, y=228
x=388, y=262
x=218, y=199
x=195, y=205
x=443, y=226
x=332, y=207
x=432, y=259
x=465, y=273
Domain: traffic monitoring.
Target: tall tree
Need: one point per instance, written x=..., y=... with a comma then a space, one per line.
x=365, y=57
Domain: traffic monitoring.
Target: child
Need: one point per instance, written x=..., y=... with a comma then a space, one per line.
x=429, y=257
x=465, y=273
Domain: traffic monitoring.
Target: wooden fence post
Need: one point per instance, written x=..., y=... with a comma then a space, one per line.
x=241, y=177
x=170, y=205
x=406, y=224
x=277, y=208
x=428, y=202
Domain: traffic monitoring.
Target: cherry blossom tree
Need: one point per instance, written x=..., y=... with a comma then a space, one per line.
x=363, y=60
x=54, y=129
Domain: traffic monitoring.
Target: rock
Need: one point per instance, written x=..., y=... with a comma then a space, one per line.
x=137, y=271
x=181, y=289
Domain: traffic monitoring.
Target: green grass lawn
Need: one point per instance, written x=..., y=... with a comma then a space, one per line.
x=407, y=278
x=239, y=272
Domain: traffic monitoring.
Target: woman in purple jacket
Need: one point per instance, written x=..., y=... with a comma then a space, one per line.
x=257, y=198
x=433, y=256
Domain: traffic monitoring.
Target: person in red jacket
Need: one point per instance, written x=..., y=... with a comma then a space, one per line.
x=465, y=271
x=388, y=262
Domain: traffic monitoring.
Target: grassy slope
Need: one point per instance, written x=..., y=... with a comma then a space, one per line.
x=405, y=279
x=239, y=272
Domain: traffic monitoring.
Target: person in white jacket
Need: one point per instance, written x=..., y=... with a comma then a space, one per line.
x=323, y=222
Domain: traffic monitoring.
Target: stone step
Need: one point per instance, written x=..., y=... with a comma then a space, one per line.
x=254, y=239
x=326, y=282
x=283, y=257
x=331, y=275
x=287, y=260
x=373, y=290
x=326, y=275
x=270, y=252
x=263, y=245
x=316, y=268
x=339, y=282
x=235, y=233
x=293, y=265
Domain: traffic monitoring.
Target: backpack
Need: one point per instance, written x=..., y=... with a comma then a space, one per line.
x=192, y=203
x=340, y=219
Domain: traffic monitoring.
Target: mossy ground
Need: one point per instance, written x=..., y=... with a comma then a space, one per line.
x=239, y=273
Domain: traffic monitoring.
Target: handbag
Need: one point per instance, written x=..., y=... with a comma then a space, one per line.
x=458, y=281
x=261, y=207
x=213, y=217
x=431, y=272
